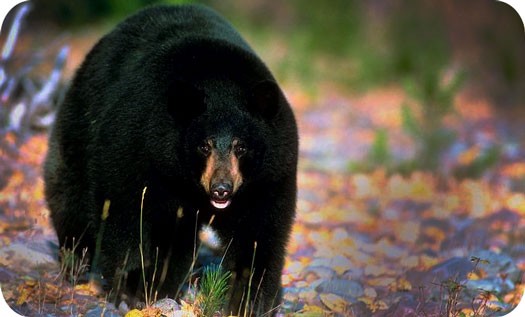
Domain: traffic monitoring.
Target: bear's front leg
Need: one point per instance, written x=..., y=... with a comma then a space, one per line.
x=256, y=280
x=256, y=259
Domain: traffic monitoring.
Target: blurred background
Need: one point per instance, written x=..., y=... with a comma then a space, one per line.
x=428, y=56
x=352, y=44
x=412, y=143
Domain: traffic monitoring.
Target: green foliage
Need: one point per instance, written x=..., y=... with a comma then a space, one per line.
x=176, y=1
x=379, y=154
x=329, y=27
x=317, y=36
x=432, y=100
x=78, y=12
x=410, y=44
x=435, y=99
x=214, y=286
x=431, y=139
x=480, y=164
x=419, y=56
x=408, y=121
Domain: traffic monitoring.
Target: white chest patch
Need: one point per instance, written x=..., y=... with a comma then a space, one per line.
x=209, y=237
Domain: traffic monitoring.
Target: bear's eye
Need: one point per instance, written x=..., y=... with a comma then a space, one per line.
x=240, y=150
x=205, y=149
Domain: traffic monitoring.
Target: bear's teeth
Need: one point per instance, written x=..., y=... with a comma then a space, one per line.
x=220, y=205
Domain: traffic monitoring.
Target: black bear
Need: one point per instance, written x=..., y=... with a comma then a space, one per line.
x=173, y=119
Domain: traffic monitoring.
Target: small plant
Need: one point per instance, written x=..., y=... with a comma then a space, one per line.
x=252, y=271
x=214, y=286
x=149, y=296
x=485, y=160
x=98, y=245
x=435, y=100
x=196, y=249
x=451, y=294
x=378, y=155
x=453, y=289
x=71, y=266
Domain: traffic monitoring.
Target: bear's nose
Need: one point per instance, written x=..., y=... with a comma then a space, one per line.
x=221, y=191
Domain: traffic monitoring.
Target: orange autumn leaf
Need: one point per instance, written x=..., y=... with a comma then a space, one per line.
x=151, y=312
x=514, y=170
x=33, y=151
x=468, y=156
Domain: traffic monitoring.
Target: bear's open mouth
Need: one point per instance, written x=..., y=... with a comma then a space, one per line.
x=220, y=204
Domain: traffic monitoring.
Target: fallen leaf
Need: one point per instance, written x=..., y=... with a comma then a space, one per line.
x=134, y=313
x=401, y=285
x=468, y=156
x=335, y=303
x=151, y=312
x=514, y=170
x=311, y=311
x=24, y=295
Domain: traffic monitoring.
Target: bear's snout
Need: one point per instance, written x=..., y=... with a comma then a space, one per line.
x=221, y=194
x=221, y=177
x=221, y=191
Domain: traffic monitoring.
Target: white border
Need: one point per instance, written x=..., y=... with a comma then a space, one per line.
x=519, y=7
x=5, y=310
x=7, y=5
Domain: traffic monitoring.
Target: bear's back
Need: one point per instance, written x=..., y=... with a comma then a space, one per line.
x=169, y=24
x=155, y=45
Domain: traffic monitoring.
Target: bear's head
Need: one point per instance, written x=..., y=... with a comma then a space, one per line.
x=226, y=129
x=222, y=123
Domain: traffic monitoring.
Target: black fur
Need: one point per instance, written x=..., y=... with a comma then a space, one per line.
x=144, y=99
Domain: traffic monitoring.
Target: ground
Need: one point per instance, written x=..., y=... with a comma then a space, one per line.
x=366, y=243
x=369, y=241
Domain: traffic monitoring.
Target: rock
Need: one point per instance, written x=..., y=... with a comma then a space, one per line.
x=6, y=275
x=338, y=263
x=354, y=273
x=167, y=306
x=453, y=268
x=349, y=290
x=499, y=264
x=21, y=256
x=123, y=307
x=317, y=272
x=107, y=310
x=493, y=285
x=501, y=272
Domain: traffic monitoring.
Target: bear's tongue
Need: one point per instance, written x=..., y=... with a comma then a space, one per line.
x=220, y=204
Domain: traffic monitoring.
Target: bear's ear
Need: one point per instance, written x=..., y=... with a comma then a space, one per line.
x=265, y=99
x=185, y=101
